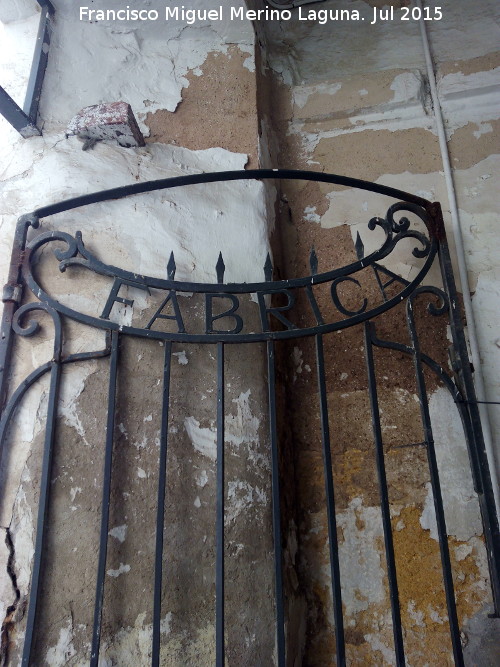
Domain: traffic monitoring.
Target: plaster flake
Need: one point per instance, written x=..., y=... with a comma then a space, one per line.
x=34, y=403
x=119, y=532
x=360, y=561
x=22, y=531
x=459, y=111
x=73, y=492
x=202, y=439
x=458, y=84
x=64, y=650
x=202, y=479
x=434, y=616
x=72, y=387
x=310, y=214
x=301, y=94
x=249, y=63
x=485, y=305
x=181, y=357
x=483, y=128
x=240, y=497
x=463, y=520
x=123, y=569
x=416, y=615
x=242, y=428
x=377, y=645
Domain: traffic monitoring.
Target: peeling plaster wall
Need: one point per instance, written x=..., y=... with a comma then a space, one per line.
x=166, y=73
x=353, y=99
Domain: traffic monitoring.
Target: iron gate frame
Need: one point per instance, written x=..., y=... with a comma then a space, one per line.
x=460, y=384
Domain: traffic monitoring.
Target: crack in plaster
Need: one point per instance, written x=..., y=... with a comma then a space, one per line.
x=11, y=613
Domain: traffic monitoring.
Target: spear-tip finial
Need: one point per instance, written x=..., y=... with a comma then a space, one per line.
x=359, y=246
x=268, y=269
x=220, y=267
x=171, y=267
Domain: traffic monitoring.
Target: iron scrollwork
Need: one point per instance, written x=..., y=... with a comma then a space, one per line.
x=276, y=321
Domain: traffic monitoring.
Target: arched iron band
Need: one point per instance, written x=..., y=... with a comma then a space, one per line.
x=394, y=232
x=221, y=336
x=221, y=176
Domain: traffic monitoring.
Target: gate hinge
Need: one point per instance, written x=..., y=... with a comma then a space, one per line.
x=12, y=293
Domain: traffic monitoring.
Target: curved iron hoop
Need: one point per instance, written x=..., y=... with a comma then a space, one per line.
x=35, y=375
x=214, y=177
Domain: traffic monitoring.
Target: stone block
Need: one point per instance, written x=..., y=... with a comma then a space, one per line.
x=113, y=121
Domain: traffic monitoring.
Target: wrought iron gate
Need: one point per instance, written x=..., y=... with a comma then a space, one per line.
x=225, y=324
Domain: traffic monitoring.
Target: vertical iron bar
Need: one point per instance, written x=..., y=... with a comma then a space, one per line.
x=280, y=618
x=106, y=495
x=384, y=501
x=12, y=300
x=436, y=491
x=39, y=64
x=160, y=509
x=13, y=113
x=330, y=505
x=219, y=568
x=43, y=504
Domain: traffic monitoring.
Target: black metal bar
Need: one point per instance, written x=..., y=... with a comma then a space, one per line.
x=48, y=5
x=106, y=496
x=250, y=174
x=13, y=113
x=330, y=505
x=278, y=568
x=160, y=510
x=384, y=501
x=12, y=300
x=39, y=64
x=436, y=491
x=475, y=443
x=43, y=505
x=219, y=568
x=30, y=380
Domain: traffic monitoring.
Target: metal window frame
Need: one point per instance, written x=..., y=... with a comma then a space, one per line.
x=24, y=119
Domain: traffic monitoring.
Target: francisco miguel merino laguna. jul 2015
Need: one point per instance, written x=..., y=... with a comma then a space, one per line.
x=190, y=16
